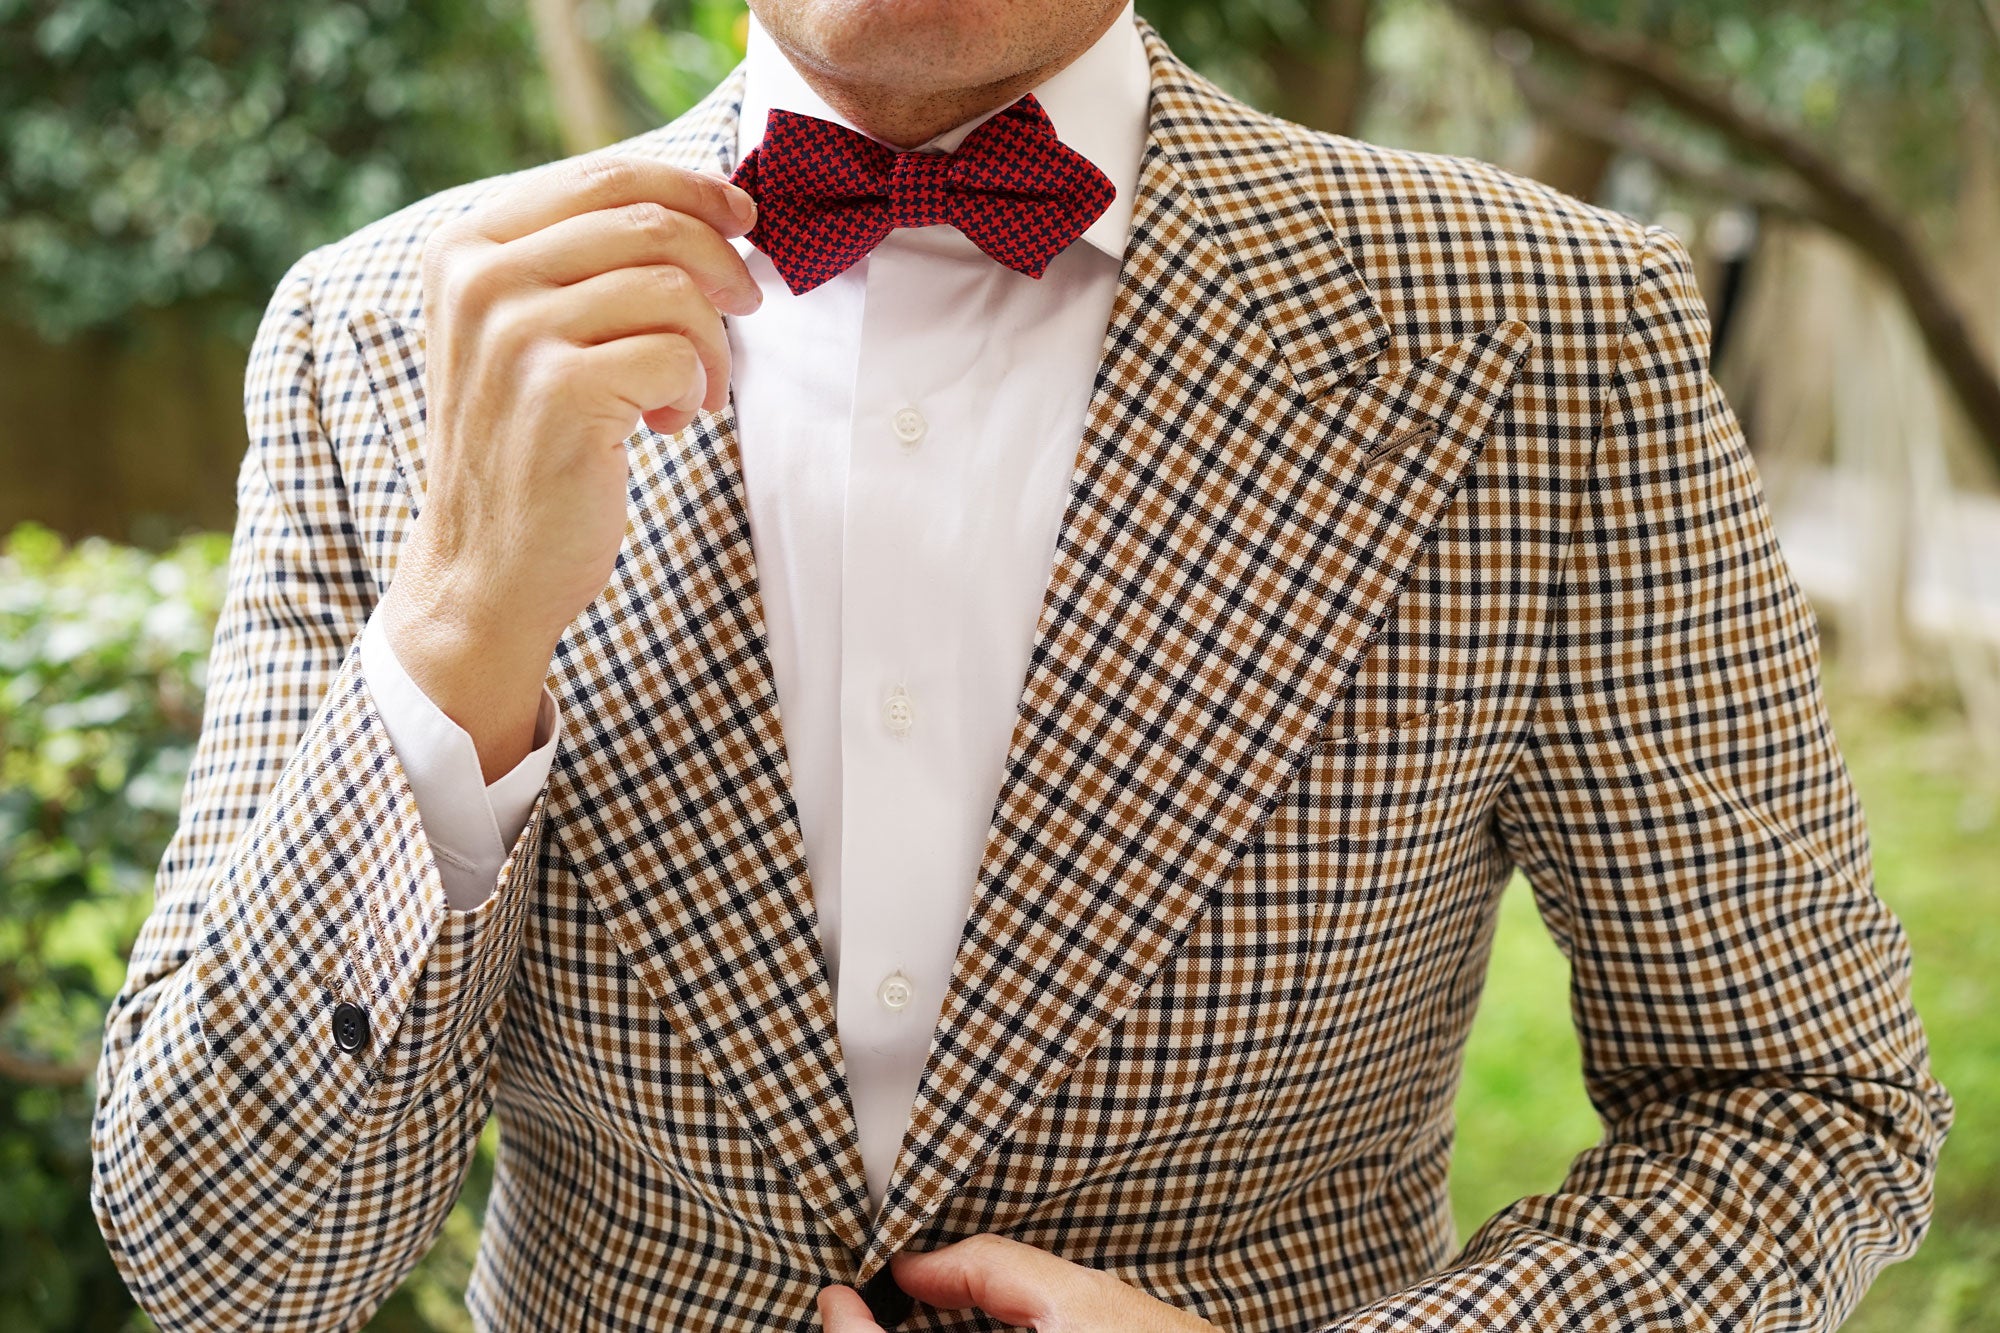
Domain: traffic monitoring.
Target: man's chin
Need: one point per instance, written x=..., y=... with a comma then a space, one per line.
x=919, y=47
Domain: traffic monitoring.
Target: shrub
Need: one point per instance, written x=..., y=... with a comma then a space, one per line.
x=102, y=649
x=103, y=664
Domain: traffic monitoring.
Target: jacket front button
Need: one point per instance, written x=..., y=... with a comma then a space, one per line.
x=889, y=1303
x=350, y=1027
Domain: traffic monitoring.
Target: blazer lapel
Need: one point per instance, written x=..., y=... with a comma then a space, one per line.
x=1246, y=505
x=674, y=800
x=671, y=792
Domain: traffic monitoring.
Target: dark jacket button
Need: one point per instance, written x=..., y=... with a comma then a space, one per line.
x=889, y=1303
x=350, y=1027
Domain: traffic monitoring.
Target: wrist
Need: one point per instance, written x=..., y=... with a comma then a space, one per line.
x=442, y=583
x=483, y=671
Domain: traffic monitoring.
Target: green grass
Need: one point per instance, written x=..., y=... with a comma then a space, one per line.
x=1934, y=821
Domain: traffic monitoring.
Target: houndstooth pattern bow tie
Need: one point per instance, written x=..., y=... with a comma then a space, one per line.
x=827, y=195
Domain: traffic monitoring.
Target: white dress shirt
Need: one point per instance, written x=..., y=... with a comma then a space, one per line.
x=907, y=433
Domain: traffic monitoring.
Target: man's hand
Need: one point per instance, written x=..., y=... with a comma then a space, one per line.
x=1009, y=1280
x=576, y=302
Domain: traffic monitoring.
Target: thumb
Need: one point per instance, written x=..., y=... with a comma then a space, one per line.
x=1009, y=1280
x=841, y=1310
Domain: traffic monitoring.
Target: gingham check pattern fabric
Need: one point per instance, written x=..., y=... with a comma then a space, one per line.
x=827, y=195
x=1409, y=542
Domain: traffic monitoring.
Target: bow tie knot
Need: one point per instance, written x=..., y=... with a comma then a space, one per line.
x=921, y=190
x=827, y=195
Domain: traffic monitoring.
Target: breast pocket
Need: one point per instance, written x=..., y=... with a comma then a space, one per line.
x=1382, y=782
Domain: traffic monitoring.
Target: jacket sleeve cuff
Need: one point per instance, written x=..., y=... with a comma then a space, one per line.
x=335, y=899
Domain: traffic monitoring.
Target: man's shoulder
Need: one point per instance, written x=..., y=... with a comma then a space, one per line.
x=1443, y=229
x=1466, y=186
x=1391, y=190
x=379, y=265
x=1445, y=245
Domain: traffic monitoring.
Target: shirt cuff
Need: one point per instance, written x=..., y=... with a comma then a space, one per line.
x=469, y=823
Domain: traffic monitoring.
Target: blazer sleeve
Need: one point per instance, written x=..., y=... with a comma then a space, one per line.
x=254, y=1164
x=1697, y=850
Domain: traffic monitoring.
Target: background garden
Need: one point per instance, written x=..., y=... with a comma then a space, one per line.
x=1834, y=165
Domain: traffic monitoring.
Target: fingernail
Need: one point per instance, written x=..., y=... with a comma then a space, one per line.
x=742, y=205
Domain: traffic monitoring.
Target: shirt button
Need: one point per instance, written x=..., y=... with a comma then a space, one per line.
x=350, y=1027
x=896, y=711
x=910, y=425
x=895, y=991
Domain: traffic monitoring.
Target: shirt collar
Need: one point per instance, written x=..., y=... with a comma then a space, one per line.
x=1097, y=104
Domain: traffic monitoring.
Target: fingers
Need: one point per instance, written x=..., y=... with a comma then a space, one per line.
x=547, y=195
x=648, y=374
x=841, y=1310
x=628, y=301
x=617, y=264
x=630, y=235
x=619, y=257
x=1028, y=1287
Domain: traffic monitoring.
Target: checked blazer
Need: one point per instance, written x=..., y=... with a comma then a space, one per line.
x=1408, y=542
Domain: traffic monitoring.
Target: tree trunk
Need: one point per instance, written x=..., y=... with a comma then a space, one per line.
x=1869, y=447
x=586, y=113
x=1326, y=86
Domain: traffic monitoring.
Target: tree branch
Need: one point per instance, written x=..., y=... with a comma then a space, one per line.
x=1325, y=86
x=17, y=1068
x=1605, y=125
x=585, y=111
x=1850, y=208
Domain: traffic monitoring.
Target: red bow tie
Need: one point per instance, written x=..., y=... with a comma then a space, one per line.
x=827, y=195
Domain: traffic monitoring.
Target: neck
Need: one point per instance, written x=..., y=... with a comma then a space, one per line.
x=905, y=121
x=903, y=118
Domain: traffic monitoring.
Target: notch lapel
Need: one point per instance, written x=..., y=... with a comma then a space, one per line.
x=671, y=792
x=1234, y=535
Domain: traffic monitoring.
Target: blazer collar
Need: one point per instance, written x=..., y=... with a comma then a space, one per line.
x=1251, y=491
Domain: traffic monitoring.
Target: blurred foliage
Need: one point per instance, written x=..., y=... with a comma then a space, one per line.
x=1883, y=84
x=102, y=651
x=179, y=149
x=669, y=54
x=174, y=149
x=1230, y=42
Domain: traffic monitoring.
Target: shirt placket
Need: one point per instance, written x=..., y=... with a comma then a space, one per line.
x=898, y=718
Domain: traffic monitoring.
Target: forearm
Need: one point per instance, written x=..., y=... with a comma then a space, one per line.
x=1699, y=854
x=254, y=1160
x=1733, y=1203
